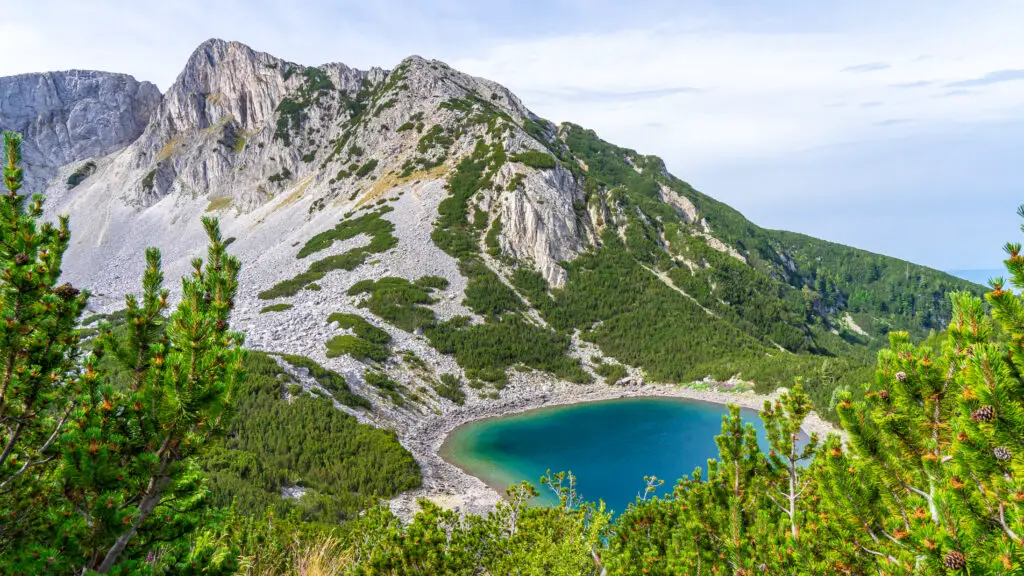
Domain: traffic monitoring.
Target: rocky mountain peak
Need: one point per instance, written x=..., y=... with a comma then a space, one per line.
x=224, y=79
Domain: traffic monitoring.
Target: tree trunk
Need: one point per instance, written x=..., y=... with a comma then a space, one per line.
x=154, y=492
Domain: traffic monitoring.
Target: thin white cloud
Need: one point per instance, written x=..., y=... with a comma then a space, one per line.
x=761, y=94
x=869, y=67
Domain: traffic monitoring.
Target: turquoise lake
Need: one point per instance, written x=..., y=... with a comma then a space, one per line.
x=609, y=445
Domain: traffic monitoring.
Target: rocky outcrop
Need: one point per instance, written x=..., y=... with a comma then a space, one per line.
x=539, y=223
x=72, y=116
x=212, y=130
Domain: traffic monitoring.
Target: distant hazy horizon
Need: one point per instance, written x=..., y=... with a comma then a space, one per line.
x=979, y=276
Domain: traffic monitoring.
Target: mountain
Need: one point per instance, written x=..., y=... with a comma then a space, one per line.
x=72, y=116
x=401, y=225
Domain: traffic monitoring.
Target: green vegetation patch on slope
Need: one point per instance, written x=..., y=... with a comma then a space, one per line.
x=399, y=301
x=360, y=327
x=372, y=224
x=81, y=173
x=387, y=386
x=486, y=350
x=611, y=373
x=279, y=307
x=366, y=343
x=344, y=466
x=486, y=294
x=535, y=159
x=450, y=387
x=291, y=111
x=356, y=347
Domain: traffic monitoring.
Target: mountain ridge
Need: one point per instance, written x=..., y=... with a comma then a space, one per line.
x=449, y=231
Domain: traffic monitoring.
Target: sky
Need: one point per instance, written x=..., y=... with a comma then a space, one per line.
x=896, y=127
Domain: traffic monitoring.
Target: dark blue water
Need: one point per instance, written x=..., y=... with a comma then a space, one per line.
x=610, y=446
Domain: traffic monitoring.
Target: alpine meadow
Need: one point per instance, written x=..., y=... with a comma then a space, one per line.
x=240, y=318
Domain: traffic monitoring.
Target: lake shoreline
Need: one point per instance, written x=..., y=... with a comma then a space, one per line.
x=450, y=486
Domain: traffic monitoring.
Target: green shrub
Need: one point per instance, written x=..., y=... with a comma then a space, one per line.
x=398, y=301
x=430, y=282
x=434, y=137
x=148, y=179
x=484, y=349
x=486, y=294
x=536, y=130
x=331, y=381
x=491, y=240
x=344, y=465
x=535, y=159
x=360, y=327
x=281, y=176
x=280, y=307
x=387, y=387
x=516, y=182
x=308, y=157
x=366, y=168
x=450, y=387
x=372, y=224
x=291, y=110
x=356, y=347
x=611, y=373
x=81, y=173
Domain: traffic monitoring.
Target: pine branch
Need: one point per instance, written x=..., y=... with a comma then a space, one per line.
x=46, y=446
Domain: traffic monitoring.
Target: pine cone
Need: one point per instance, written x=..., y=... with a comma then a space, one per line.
x=1002, y=453
x=221, y=325
x=21, y=259
x=955, y=560
x=901, y=376
x=883, y=394
x=983, y=414
x=66, y=292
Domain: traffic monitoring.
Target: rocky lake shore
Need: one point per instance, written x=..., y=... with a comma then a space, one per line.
x=451, y=487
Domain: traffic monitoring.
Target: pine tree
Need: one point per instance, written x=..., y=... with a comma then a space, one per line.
x=933, y=483
x=786, y=479
x=127, y=455
x=39, y=348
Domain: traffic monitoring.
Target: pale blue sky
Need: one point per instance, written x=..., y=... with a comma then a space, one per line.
x=895, y=128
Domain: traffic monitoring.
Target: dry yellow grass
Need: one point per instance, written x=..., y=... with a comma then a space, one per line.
x=219, y=204
x=391, y=180
x=169, y=148
x=290, y=199
x=380, y=187
x=215, y=97
x=297, y=193
x=324, y=556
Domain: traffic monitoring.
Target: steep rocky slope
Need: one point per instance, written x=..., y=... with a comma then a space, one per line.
x=424, y=234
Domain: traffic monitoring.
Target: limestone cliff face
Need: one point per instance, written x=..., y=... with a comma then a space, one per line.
x=239, y=128
x=212, y=130
x=74, y=115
